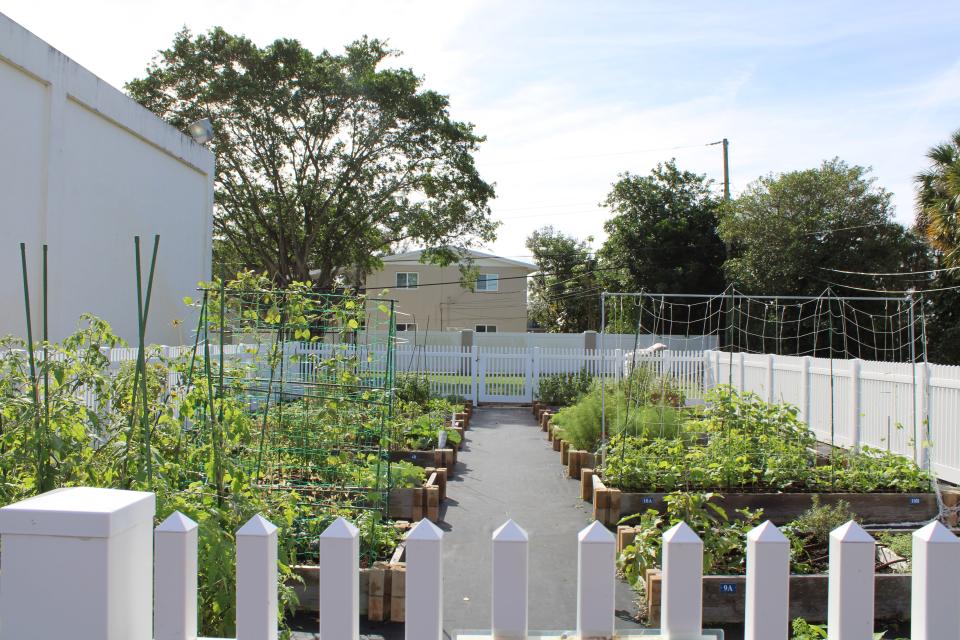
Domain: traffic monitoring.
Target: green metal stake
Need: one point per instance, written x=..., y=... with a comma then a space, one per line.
x=41, y=463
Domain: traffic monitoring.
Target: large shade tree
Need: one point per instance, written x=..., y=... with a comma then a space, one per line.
x=802, y=231
x=564, y=292
x=324, y=161
x=663, y=235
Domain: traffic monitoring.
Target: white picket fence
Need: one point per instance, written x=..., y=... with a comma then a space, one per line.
x=910, y=409
x=78, y=564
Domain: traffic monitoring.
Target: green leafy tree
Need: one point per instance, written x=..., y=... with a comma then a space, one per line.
x=792, y=233
x=564, y=292
x=663, y=235
x=324, y=161
x=938, y=200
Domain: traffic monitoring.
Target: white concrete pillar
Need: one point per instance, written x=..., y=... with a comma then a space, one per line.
x=850, y=598
x=257, y=580
x=424, y=582
x=935, y=591
x=681, y=589
x=175, y=579
x=340, y=582
x=510, y=582
x=596, y=576
x=767, y=614
x=742, y=372
x=78, y=564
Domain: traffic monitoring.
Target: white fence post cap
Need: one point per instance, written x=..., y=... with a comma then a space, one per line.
x=425, y=530
x=681, y=533
x=766, y=533
x=257, y=526
x=176, y=522
x=510, y=531
x=935, y=533
x=851, y=532
x=340, y=528
x=83, y=512
x=595, y=533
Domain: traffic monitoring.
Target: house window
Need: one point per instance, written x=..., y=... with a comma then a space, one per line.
x=408, y=280
x=485, y=328
x=488, y=282
x=406, y=326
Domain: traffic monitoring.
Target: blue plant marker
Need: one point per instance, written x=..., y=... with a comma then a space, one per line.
x=914, y=500
x=728, y=587
x=646, y=500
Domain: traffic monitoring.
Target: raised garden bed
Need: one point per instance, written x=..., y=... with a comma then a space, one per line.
x=416, y=503
x=724, y=598
x=382, y=588
x=437, y=458
x=609, y=505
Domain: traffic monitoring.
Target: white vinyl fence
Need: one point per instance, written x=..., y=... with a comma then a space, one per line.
x=88, y=555
x=910, y=409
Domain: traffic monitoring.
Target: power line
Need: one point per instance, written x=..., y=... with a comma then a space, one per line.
x=892, y=273
x=601, y=155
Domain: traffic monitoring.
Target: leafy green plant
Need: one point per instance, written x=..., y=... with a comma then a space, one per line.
x=809, y=534
x=580, y=424
x=741, y=443
x=412, y=387
x=563, y=389
x=722, y=535
x=803, y=630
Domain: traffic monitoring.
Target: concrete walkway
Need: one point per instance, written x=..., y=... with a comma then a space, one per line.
x=508, y=470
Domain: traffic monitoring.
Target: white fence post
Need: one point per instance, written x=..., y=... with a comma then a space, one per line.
x=508, y=611
x=424, y=582
x=340, y=582
x=175, y=579
x=596, y=575
x=920, y=418
x=856, y=402
x=681, y=589
x=767, y=611
x=535, y=374
x=850, y=597
x=805, y=388
x=57, y=548
x=742, y=373
x=771, y=359
x=257, y=580
x=474, y=374
x=935, y=587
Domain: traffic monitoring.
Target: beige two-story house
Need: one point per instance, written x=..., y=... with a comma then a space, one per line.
x=432, y=298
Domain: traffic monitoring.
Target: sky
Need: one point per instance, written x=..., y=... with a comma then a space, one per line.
x=571, y=94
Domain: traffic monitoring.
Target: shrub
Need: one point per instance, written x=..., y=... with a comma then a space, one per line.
x=580, y=424
x=412, y=387
x=563, y=389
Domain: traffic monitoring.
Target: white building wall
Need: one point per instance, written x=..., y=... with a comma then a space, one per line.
x=84, y=169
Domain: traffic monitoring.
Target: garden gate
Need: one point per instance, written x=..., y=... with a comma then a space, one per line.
x=504, y=375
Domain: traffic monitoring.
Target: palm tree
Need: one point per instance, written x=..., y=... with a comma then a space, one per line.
x=938, y=200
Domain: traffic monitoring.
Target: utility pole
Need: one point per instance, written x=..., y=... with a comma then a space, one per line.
x=726, y=169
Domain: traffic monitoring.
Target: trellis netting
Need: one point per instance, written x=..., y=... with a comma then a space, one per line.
x=660, y=398
x=317, y=371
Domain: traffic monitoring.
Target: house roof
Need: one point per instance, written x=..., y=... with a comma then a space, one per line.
x=480, y=259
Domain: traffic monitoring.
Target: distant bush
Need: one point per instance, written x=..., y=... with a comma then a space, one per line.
x=412, y=387
x=563, y=389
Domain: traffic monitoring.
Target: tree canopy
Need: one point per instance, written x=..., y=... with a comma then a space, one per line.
x=798, y=232
x=938, y=200
x=324, y=161
x=663, y=234
x=564, y=292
